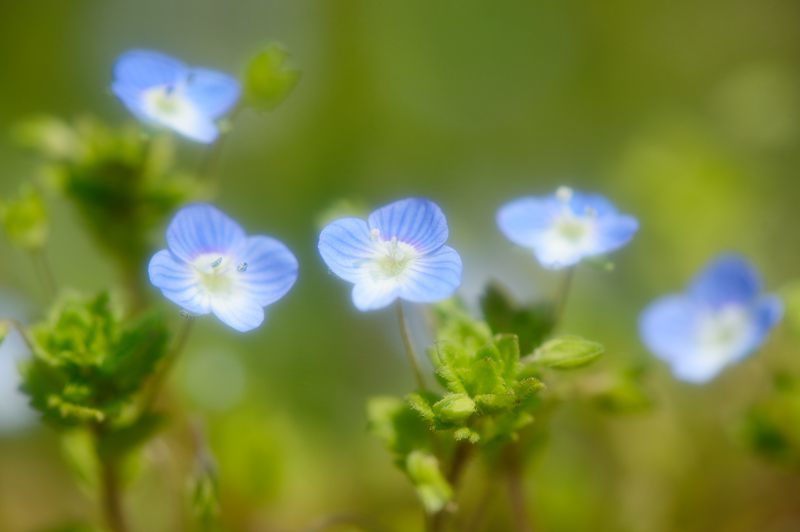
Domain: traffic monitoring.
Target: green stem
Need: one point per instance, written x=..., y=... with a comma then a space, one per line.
x=405, y=332
x=516, y=490
x=212, y=155
x=42, y=265
x=561, y=297
x=110, y=492
x=163, y=370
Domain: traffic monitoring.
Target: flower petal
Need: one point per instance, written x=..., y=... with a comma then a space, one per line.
x=269, y=269
x=373, y=294
x=432, y=277
x=189, y=122
x=178, y=282
x=143, y=69
x=213, y=93
x=581, y=204
x=345, y=245
x=415, y=221
x=202, y=228
x=612, y=232
x=727, y=279
x=668, y=328
x=238, y=311
x=525, y=220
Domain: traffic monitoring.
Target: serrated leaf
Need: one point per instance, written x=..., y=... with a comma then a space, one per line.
x=268, y=78
x=568, y=352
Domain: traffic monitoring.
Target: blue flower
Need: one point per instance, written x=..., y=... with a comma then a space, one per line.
x=398, y=252
x=566, y=227
x=211, y=266
x=721, y=319
x=160, y=90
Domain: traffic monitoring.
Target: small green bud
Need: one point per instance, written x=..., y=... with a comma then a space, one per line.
x=268, y=79
x=567, y=352
x=433, y=489
x=454, y=408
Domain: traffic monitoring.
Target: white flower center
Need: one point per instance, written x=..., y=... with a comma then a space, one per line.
x=217, y=274
x=725, y=333
x=392, y=257
x=168, y=105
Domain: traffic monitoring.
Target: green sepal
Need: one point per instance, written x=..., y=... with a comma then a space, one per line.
x=432, y=487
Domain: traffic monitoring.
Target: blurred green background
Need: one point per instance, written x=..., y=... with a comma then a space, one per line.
x=685, y=113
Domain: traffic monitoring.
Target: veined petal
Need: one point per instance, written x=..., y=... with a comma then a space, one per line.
x=213, y=93
x=525, y=220
x=202, y=228
x=178, y=282
x=727, y=279
x=415, y=221
x=345, y=245
x=239, y=311
x=268, y=269
x=373, y=294
x=143, y=69
x=432, y=277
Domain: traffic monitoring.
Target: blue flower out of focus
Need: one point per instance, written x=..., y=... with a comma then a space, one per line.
x=398, y=252
x=566, y=227
x=721, y=319
x=162, y=91
x=211, y=266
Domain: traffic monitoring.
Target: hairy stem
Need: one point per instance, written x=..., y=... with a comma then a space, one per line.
x=516, y=490
x=110, y=491
x=405, y=332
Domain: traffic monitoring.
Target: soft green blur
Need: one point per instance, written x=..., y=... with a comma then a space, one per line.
x=685, y=113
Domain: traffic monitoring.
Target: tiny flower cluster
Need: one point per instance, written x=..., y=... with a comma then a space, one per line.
x=400, y=251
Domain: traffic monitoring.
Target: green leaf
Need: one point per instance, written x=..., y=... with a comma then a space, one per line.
x=268, y=78
x=531, y=324
x=432, y=488
x=25, y=219
x=568, y=352
x=88, y=364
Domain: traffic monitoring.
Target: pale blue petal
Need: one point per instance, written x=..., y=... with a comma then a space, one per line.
x=525, y=220
x=240, y=312
x=727, y=279
x=432, y=277
x=769, y=312
x=698, y=369
x=178, y=282
x=133, y=98
x=612, y=232
x=372, y=294
x=213, y=93
x=668, y=328
x=202, y=228
x=143, y=69
x=267, y=269
x=192, y=125
x=415, y=221
x=345, y=245
x=582, y=204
